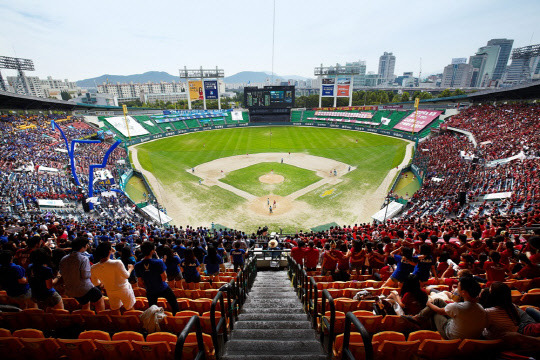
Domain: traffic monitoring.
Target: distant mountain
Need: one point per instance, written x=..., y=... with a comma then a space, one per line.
x=242, y=77
x=153, y=76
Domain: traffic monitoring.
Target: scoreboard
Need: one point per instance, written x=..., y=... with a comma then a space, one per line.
x=269, y=97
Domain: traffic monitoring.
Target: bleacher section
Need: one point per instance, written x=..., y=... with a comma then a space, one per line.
x=147, y=122
x=359, y=118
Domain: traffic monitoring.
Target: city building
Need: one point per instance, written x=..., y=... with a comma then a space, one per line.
x=478, y=63
x=166, y=91
x=373, y=79
x=359, y=80
x=387, y=64
x=96, y=99
x=525, y=65
x=457, y=76
x=505, y=46
x=48, y=88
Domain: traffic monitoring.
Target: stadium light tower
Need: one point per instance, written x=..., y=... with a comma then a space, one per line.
x=19, y=64
x=336, y=81
x=202, y=89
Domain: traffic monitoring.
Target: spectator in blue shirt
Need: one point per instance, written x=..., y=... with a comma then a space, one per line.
x=212, y=262
x=190, y=267
x=404, y=266
x=151, y=274
x=237, y=256
x=42, y=280
x=172, y=261
x=13, y=281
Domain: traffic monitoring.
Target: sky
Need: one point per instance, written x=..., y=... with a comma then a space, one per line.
x=84, y=39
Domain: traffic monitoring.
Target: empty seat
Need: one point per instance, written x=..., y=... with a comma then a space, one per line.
x=83, y=349
x=152, y=350
x=438, y=349
x=95, y=335
x=424, y=335
x=115, y=350
x=403, y=350
x=128, y=336
x=29, y=333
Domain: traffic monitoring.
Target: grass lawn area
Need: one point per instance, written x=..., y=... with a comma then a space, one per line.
x=135, y=189
x=407, y=184
x=247, y=179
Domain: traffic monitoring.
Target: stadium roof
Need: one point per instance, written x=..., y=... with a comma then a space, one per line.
x=518, y=92
x=11, y=101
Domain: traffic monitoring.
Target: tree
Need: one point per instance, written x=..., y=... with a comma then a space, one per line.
x=65, y=95
x=396, y=98
x=458, y=92
x=405, y=96
x=445, y=93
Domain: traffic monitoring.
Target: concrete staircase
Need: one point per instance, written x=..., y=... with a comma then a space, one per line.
x=273, y=324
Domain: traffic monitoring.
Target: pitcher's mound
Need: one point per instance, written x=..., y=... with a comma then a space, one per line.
x=261, y=206
x=271, y=179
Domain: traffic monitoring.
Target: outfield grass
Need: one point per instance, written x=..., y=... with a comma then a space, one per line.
x=373, y=155
x=247, y=179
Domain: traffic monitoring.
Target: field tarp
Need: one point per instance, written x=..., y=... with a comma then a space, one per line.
x=390, y=210
x=135, y=129
x=152, y=211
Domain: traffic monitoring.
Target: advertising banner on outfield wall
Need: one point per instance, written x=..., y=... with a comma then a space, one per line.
x=343, y=90
x=195, y=90
x=211, y=90
x=423, y=119
x=328, y=91
x=329, y=81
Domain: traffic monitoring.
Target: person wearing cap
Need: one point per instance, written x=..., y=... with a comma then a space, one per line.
x=273, y=245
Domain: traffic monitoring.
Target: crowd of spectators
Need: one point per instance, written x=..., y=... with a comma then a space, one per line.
x=34, y=160
x=502, y=130
x=452, y=164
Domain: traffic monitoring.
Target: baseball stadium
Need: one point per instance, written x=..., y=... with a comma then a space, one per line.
x=265, y=230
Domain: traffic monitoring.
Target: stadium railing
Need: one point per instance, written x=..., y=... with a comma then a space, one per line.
x=325, y=323
x=193, y=322
x=366, y=338
x=222, y=323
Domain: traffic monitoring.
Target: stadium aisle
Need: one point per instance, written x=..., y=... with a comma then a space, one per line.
x=273, y=324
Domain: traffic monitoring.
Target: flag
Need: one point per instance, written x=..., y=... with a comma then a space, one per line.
x=385, y=121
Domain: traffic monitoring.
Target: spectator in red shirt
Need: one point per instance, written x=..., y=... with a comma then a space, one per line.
x=495, y=270
x=311, y=256
x=297, y=253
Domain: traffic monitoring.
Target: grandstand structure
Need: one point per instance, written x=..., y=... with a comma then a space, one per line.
x=476, y=218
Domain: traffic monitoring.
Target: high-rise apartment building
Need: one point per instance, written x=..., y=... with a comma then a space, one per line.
x=387, y=64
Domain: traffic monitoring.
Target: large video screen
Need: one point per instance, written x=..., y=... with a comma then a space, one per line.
x=275, y=97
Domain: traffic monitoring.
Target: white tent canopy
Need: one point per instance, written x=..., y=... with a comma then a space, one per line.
x=152, y=211
x=499, y=195
x=50, y=203
x=390, y=210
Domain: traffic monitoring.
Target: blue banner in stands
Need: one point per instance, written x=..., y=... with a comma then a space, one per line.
x=211, y=90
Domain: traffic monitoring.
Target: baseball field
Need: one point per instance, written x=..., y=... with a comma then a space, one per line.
x=284, y=177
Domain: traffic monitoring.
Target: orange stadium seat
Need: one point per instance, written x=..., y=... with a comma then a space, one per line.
x=41, y=349
x=162, y=336
x=115, y=350
x=11, y=348
x=424, y=335
x=83, y=349
x=470, y=347
x=403, y=350
x=345, y=304
x=153, y=350
x=372, y=323
x=356, y=346
x=95, y=335
x=439, y=349
x=29, y=333
x=5, y=333
x=128, y=336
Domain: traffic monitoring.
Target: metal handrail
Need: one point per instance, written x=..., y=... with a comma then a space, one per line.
x=194, y=321
x=366, y=338
x=313, y=299
x=222, y=322
x=324, y=321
